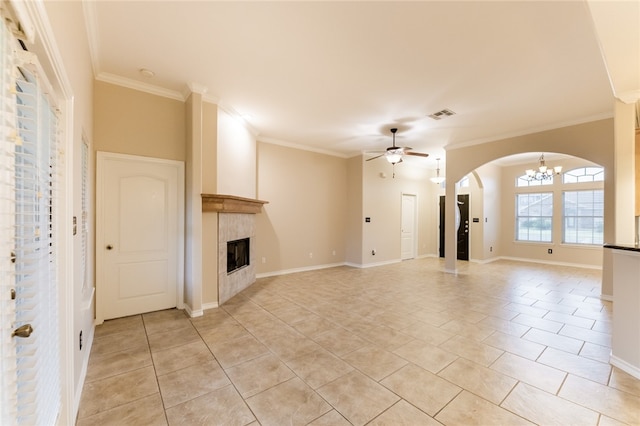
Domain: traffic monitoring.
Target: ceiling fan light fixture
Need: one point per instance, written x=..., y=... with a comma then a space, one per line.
x=393, y=157
x=394, y=154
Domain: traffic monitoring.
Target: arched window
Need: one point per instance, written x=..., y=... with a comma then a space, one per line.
x=583, y=174
x=524, y=181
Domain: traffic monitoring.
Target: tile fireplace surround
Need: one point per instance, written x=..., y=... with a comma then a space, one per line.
x=236, y=220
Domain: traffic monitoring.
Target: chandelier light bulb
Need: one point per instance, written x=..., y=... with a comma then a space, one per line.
x=544, y=172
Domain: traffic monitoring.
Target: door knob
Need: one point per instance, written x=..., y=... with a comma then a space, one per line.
x=23, y=331
x=109, y=247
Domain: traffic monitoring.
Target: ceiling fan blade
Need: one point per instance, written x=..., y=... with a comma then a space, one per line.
x=377, y=156
x=417, y=154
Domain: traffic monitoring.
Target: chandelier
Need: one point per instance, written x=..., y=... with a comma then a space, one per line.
x=544, y=172
x=437, y=178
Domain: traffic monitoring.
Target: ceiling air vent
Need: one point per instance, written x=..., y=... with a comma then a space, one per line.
x=441, y=114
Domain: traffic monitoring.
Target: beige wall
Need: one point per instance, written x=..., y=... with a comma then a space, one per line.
x=491, y=216
x=128, y=121
x=210, y=260
x=209, y=148
x=355, y=217
x=382, y=202
x=307, y=210
x=236, y=157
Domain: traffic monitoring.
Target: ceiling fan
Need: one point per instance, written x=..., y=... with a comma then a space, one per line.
x=394, y=153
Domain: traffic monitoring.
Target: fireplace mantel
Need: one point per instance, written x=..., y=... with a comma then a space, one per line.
x=230, y=204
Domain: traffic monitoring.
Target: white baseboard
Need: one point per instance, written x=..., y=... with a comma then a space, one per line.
x=484, y=261
x=423, y=256
x=625, y=366
x=303, y=269
x=550, y=262
x=192, y=313
x=372, y=265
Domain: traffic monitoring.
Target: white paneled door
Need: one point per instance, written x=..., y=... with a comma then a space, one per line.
x=139, y=241
x=408, y=237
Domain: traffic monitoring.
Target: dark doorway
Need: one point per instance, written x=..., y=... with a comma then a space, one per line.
x=463, y=231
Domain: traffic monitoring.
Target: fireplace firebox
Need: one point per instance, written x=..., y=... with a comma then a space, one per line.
x=237, y=254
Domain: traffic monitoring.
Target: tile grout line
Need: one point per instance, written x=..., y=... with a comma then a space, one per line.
x=155, y=372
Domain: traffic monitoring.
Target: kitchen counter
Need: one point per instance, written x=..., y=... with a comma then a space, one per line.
x=625, y=343
x=623, y=247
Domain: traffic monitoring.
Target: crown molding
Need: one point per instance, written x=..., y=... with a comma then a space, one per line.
x=630, y=97
x=273, y=141
x=233, y=113
x=142, y=87
x=91, y=27
x=529, y=131
x=210, y=98
x=193, y=87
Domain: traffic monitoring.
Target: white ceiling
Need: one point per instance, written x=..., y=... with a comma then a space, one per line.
x=335, y=76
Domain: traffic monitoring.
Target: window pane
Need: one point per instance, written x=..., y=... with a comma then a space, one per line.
x=583, y=217
x=523, y=181
x=534, y=214
x=583, y=174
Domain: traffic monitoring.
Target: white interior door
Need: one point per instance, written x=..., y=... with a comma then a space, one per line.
x=140, y=213
x=408, y=239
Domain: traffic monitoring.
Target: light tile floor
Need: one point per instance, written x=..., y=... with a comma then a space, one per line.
x=503, y=343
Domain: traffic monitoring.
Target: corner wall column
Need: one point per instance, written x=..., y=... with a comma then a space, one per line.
x=450, y=233
x=622, y=209
x=193, y=230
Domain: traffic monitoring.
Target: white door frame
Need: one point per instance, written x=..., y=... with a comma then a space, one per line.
x=102, y=157
x=414, y=246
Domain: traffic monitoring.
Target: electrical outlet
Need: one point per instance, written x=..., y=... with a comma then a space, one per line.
x=310, y=255
x=80, y=340
x=333, y=252
x=550, y=251
x=373, y=252
x=491, y=248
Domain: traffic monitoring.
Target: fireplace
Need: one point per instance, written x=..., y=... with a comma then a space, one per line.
x=237, y=254
x=232, y=221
